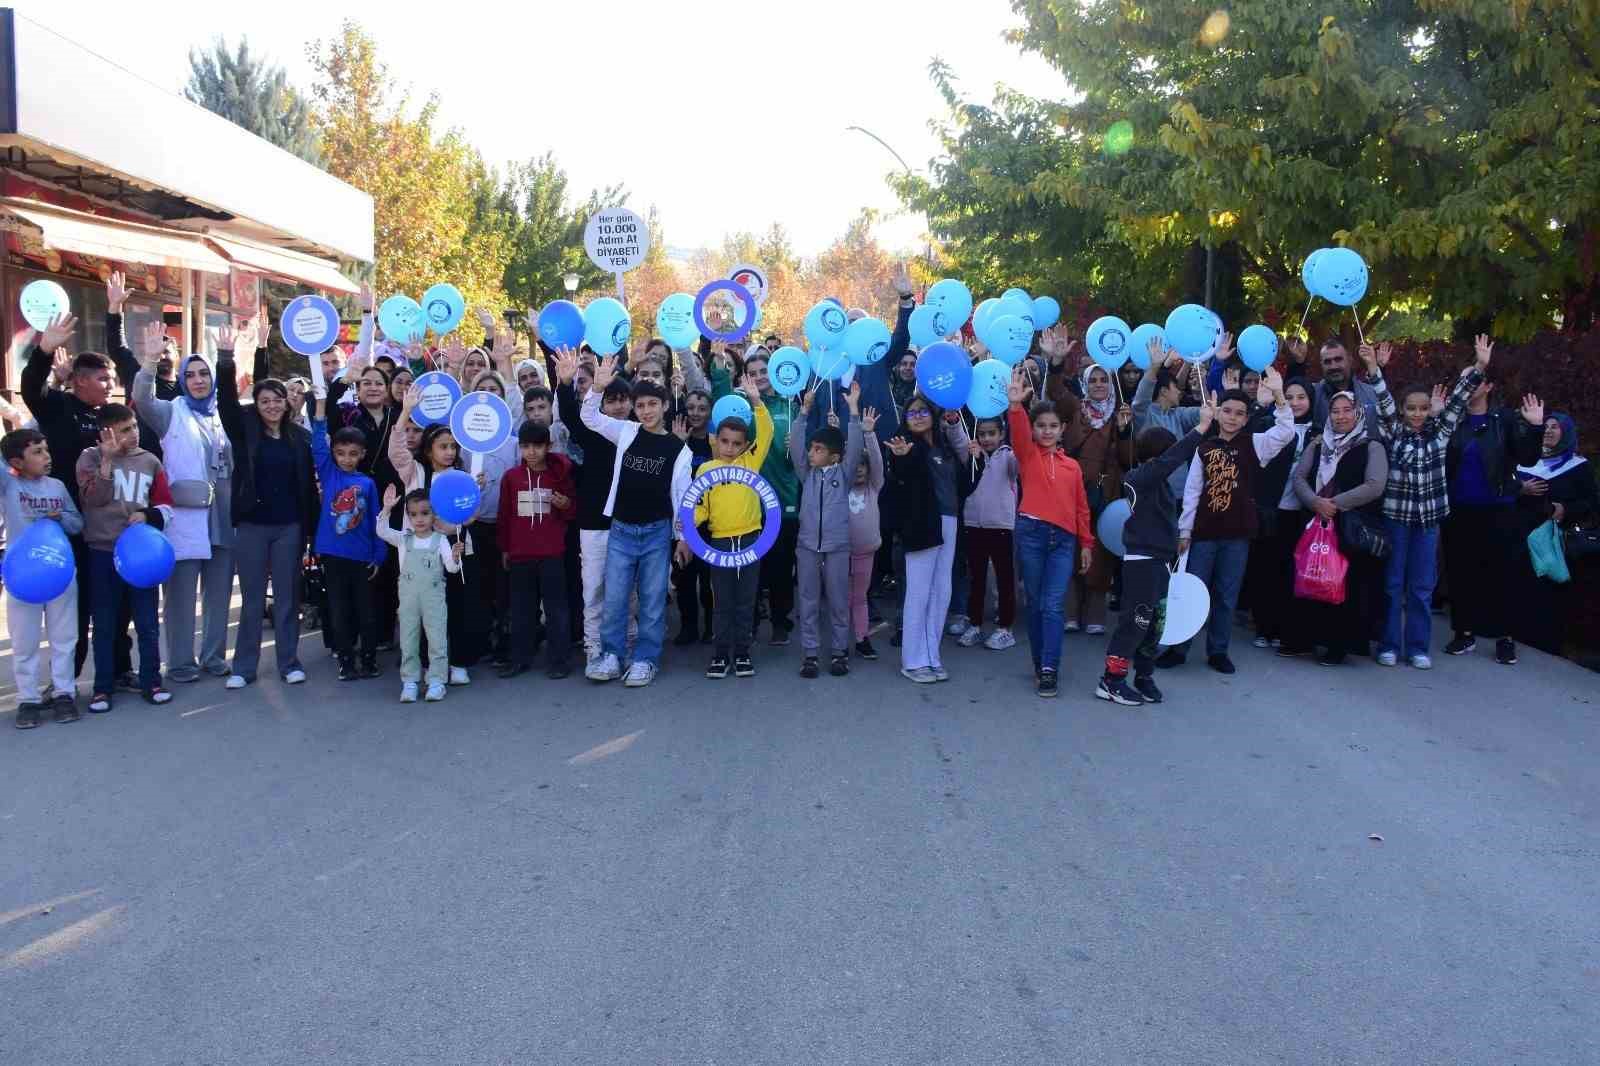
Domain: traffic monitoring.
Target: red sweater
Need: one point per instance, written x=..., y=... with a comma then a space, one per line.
x=530, y=526
x=1052, y=484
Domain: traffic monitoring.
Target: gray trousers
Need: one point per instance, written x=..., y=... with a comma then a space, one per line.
x=263, y=552
x=192, y=580
x=824, y=574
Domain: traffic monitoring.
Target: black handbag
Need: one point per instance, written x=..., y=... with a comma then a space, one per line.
x=1357, y=532
x=1582, y=543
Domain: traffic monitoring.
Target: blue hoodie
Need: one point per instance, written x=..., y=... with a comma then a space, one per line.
x=347, y=528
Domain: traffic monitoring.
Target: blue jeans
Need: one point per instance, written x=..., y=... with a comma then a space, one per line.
x=641, y=554
x=1221, y=565
x=1047, y=555
x=108, y=593
x=1409, y=576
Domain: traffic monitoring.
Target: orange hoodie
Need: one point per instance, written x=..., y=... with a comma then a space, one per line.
x=1052, y=483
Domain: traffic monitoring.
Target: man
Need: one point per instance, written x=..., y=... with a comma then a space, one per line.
x=1336, y=378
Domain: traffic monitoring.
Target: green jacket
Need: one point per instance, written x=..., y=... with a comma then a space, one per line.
x=778, y=471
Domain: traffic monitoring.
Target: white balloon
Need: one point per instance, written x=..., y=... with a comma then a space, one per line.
x=1188, y=607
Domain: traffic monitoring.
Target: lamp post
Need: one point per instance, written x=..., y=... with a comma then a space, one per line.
x=571, y=283
x=927, y=251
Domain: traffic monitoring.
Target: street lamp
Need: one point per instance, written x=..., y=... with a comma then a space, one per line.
x=571, y=283
x=927, y=253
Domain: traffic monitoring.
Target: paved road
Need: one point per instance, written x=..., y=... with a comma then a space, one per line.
x=779, y=871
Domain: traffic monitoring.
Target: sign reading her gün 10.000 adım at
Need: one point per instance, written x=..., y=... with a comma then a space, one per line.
x=616, y=239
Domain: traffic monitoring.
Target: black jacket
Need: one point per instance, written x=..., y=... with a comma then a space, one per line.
x=244, y=432
x=599, y=457
x=1505, y=442
x=1152, y=528
x=915, y=501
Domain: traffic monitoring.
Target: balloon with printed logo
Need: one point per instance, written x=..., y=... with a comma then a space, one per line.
x=455, y=496
x=400, y=318
x=444, y=307
x=143, y=556
x=733, y=406
x=944, y=374
x=1107, y=341
x=1046, y=312
x=1008, y=338
x=989, y=394
x=675, y=321
x=983, y=314
x=953, y=301
x=606, y=325
x=1308, y=271
x=825, y=324
x=561, y=324
x=42, y=300
x=922, y=324
x=1258, y=347
x=1341, y=276
x=866, y=341
x=788, y=371
x=1139, y=343
x=1109, y=528
x=1192, y=331
x=1015, y=305
x=39, y=567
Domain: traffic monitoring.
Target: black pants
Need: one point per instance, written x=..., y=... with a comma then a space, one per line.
x=467, y=623
x=122, y=651
x=1138, y=632
x=1344, y=628
x=1483, y=547
x=693, y=586
x=495, y=588
x=777, y=575
x=1270, y=573
x=535, y=583
x=574, y=571
x=353, y=606
x=733, y=592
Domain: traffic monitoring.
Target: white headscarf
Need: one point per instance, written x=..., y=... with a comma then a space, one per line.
x=1336, y=445
x=1097, y=411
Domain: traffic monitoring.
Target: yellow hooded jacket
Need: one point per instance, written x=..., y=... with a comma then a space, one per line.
x=735, y=510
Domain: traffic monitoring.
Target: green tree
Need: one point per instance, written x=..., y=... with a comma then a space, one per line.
x=252, y=93
x=546, y=232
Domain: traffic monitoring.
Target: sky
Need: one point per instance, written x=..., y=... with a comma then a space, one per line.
x=726, y=117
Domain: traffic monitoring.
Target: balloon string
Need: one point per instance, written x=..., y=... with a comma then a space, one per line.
x=1307, y=312
x=1356, y=314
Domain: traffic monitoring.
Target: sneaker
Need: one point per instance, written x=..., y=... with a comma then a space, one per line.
x=640, y=674
x=957, y=626
x=459, y=676
x=1170, y=658
x=128, y=682
x=603, y=668
x=235, y=681
x=558, y=670
x=1072, y=626
x=29, y=715
x=939, y=673
x=296, y=676
x=1146, y=687
x=185, y=676
x=1000, y=640
x=1387, y=658
x=1220, y=663
x=969, y=637
x=780, y=637
x=100, y=703
x=839, y=665
x=66, y=708
x=808, y=668
x=865, y=649
x=743, y=666
x=1328, y=658
x=718, y=668
x=1094, y=630
x=1421, y=662
x=1116, y=690
x=510, y=670
x=435, y=692
x=1463, y=644
x=1261, y=642
x=370, y=667
x=157, y=695
x=408, y=692
x=1047, y=684
x=1505, y=652
x=920, y=674
x=348, y=671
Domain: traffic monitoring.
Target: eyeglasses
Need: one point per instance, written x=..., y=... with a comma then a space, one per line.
x=919, y=413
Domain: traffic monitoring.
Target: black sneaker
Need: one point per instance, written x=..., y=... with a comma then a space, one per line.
x=1047, y=683
x=839, y=665
x=718, y=668
x=348, y=670
x=1170, y=658
x=743, y=666
x=370, y=667
x=1146, y=687
x=808, y=669
x=510, y=670
x=1220, y=663
x=1116, y=690
x=1505, y=652
x=129, y=682
x=780, y=637
x=66, y=708
x=1463, y=644
x=865, y=649
x=558, y=670
x=1329, y=658
x=29, y=715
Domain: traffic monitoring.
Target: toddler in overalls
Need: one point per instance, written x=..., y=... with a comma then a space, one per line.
x=427, y=557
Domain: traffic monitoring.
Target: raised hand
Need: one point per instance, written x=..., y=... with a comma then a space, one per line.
x=391, y=496
x=806, y=400
x=226, y=337
x=1369, y=356
x=1208, y=411
x=58, y=332
x=1230, y=378
x=1533, y=410
x=61, y=365
x=751, y=393
x=852, y=399
x=366, y=298
x=1436, y=401
x=1385, y=350
x=902, y=280
x=1272, y=381
x=1154, y=351
x=1224, y=347
x=485, y=319
x=605, y=373
x=869, y=419
x=409, y=402
x=503, y=346
x=833, y=420
x=152, y=341
x=898, y=445
x=566, y=365
x=680, y=427
x=1018, y=388
x=1483, y=348
x=455, y=352
x=116, y=292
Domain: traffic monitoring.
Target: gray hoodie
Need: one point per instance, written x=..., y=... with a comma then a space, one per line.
x=26, y=500
x=993, y=503
x=825, y=491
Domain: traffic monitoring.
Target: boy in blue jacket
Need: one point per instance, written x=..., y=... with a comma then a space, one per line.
x=347, y=540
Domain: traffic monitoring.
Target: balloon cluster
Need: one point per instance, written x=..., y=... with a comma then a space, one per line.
x=1338, y=275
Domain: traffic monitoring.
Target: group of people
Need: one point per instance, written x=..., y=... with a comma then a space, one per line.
x=317, y=494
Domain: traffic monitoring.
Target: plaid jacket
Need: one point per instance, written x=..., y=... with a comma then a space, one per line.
x=1418, y=491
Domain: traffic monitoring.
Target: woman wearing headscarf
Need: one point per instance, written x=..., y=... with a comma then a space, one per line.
x=1343, y=470
x=1560, y=487
x=199, y=463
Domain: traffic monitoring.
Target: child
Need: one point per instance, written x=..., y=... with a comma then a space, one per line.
x=1053, y=530
x=536, y=505
x=991, y=514
x=822, y=554
x=734, y=515
x=30, y=493
x=425, y=557
x=1150, y=543
x=347, y=541
x=866, y=530
x=120, y=485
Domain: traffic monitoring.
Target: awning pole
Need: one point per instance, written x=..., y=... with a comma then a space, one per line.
x=188, y=318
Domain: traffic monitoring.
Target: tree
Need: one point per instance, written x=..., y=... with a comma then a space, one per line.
x=251, y=93
x=546, y=232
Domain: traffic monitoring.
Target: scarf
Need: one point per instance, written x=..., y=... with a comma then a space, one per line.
x=1096, y=411
x=1336, y=445
x=1558, y=460
x=205, y=406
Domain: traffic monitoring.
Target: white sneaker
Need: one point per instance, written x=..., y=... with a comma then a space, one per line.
x=1000, y=640
x=939, y=673
x=1095, y=629
x=603, y=668
x=1261, y=642
x=408, y=692
x=235, y=681
x=920, y=674
x=1421, y=662
x=969, y=637
x=295, y=677
x=459, y=676
x=1387, y=658
x=1072, y=626
x=435, y=692
x=640, y=674
x=957, y=626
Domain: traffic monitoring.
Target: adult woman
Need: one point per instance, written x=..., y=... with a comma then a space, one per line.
x=199, y=464
x=1559, y=487
x=903, y=382
x=1096, y=432
x=473, y=364
x=1269, y=573
x=297, y=388
x=274, y=508
x=399, y=383
x=1342, y=471
x=923, y=462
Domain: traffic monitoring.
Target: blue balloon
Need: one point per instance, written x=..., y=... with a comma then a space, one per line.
x=788, y=371
x=953, y=301
x=455, y=496
x=1008, y=338
x=444, y=307
x=1107, y=341
x=1341, y=276
x=1046, y=312
x=983, y=314
x=825, y=325
x=1015, y=305
x=561, y=324
x=990, y=392
x=1109, y=529
x=400, y=318
x=944, y=374
x=829, y=364
x=924, y=330
x=1139, y=343
x=606, y=326
x=1018, y=294
x=733, y=406
x=1308, y=271
x=143, y=556
x=39, y=566
x=1258, y=347
x=1192, y=331
x=675, y=320
x=866, y=341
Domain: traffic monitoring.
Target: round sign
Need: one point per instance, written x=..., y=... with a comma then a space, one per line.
x=400, y=318
x=1186, y=608
x=444, y=307
x=440, y=394
x=771, y=516
x=738, y=292
x=616, y=239
x=42, y=301
x=481, y=422
x=753, y=278
x=310, y=325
